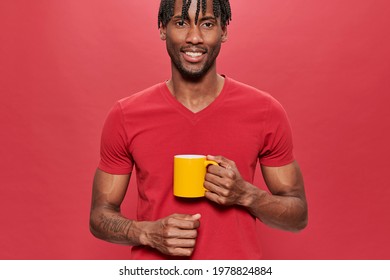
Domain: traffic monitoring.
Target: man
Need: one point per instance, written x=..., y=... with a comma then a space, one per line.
x=197, y=111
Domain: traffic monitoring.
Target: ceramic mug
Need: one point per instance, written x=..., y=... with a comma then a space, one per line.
x=189, y=174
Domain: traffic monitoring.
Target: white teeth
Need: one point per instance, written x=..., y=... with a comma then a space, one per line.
x=193, y=54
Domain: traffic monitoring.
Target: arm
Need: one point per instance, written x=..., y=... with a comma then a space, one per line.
x=284, y=207
x=172, y=235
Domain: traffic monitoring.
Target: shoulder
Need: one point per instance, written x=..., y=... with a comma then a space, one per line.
x=252, y=96
x=134, y=103
x=140, y=98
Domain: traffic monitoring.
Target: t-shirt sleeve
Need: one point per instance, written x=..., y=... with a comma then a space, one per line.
x=114, y=155
x=278, y=145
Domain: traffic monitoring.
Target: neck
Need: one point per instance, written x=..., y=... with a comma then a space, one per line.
x=196, y=94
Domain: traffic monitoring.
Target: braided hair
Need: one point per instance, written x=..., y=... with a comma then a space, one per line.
x=221, y=8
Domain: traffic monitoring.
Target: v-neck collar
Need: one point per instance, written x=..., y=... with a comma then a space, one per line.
x=195, y=117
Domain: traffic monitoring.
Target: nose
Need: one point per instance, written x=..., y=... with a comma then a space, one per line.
x=194, y=35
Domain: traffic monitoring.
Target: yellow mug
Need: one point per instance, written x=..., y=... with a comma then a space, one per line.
x=188, y=175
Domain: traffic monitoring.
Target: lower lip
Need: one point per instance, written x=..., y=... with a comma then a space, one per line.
x=193, y=59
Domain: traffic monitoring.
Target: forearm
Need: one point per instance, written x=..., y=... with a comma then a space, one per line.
x=112, y=226
x=173, y=235
x=279, y=211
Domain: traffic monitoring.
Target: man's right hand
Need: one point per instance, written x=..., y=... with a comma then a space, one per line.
x=174, y=235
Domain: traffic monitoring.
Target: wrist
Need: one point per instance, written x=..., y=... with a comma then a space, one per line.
x=143, y=233
x=139, y=233
x=252, y=196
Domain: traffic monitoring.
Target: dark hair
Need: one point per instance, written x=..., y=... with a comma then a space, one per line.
x=221, y=8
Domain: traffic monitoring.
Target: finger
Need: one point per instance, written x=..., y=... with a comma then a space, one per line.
x=187, y=216
x=225, y=180
x=210, y=187
x=214, y=197
x=222, y=172
x=213, y=181
x=178, y=234
x=181, y=252
x=222, y=161
x=211, y=196
x=180, y=242
x=196, y=216
x=217, y=159
x=217, y=189
x=183, y=222
x=215, y=169
x=193, y=219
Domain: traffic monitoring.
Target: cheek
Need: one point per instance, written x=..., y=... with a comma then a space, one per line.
x=176, y=36
x=172, y=49
x=170, y=44
x=214, y=44
x=213, y=40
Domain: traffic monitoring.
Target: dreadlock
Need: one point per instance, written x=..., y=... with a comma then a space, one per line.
x=221, y=8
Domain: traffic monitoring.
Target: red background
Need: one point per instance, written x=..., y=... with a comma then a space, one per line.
x=64, y=63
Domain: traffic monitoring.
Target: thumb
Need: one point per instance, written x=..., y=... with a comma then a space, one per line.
x=196, y=216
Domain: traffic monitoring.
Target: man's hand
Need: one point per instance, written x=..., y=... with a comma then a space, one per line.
x=174, y=235
x=224, y=182
x=284, y=207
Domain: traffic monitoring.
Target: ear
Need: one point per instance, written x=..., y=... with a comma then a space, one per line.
x=224, y=34
x=163, y=33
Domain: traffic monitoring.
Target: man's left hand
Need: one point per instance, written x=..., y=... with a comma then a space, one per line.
x=224, y=183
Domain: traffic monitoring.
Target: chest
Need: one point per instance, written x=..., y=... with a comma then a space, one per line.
x=155, y=139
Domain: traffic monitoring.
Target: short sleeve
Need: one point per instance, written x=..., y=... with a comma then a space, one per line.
x=114, y=155
x=278, y=145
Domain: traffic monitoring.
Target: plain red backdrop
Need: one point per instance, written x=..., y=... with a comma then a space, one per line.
x=64, y=63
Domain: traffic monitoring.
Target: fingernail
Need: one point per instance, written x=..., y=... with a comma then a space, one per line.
x=196, y=216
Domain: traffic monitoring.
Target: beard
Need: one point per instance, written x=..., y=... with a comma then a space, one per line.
x=193, y=72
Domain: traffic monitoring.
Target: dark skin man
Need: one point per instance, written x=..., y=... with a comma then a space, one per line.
x=193, y=47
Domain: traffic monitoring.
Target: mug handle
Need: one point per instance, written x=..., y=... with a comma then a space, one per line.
x=208, y=162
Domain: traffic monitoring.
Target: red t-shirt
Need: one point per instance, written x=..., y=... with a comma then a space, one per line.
x=147, y=129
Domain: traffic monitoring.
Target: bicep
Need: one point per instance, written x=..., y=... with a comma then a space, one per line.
x=109, y=190
x=284, y=180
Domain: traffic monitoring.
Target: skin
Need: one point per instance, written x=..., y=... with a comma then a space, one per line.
x=195, y=83
x=284, y=208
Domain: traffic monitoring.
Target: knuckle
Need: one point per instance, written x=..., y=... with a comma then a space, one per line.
x=193, y=243
x=196, y=224
x=221, y=200
x=219, y=159
x=165, y=233
x=171, y=251
x=170, y=221
x=227, y=183
x=194, y=234
x=186, y=252
x=231, y=174
x=168, y=242
x=225, y=193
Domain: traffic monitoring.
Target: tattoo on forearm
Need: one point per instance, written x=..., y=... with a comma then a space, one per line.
x=117, y=226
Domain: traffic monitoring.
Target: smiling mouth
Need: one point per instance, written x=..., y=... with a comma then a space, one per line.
x=194, y=54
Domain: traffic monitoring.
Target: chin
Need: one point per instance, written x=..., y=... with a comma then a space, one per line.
x=195, y=74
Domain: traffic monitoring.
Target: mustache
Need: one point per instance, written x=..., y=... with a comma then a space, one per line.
x=190, y=48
